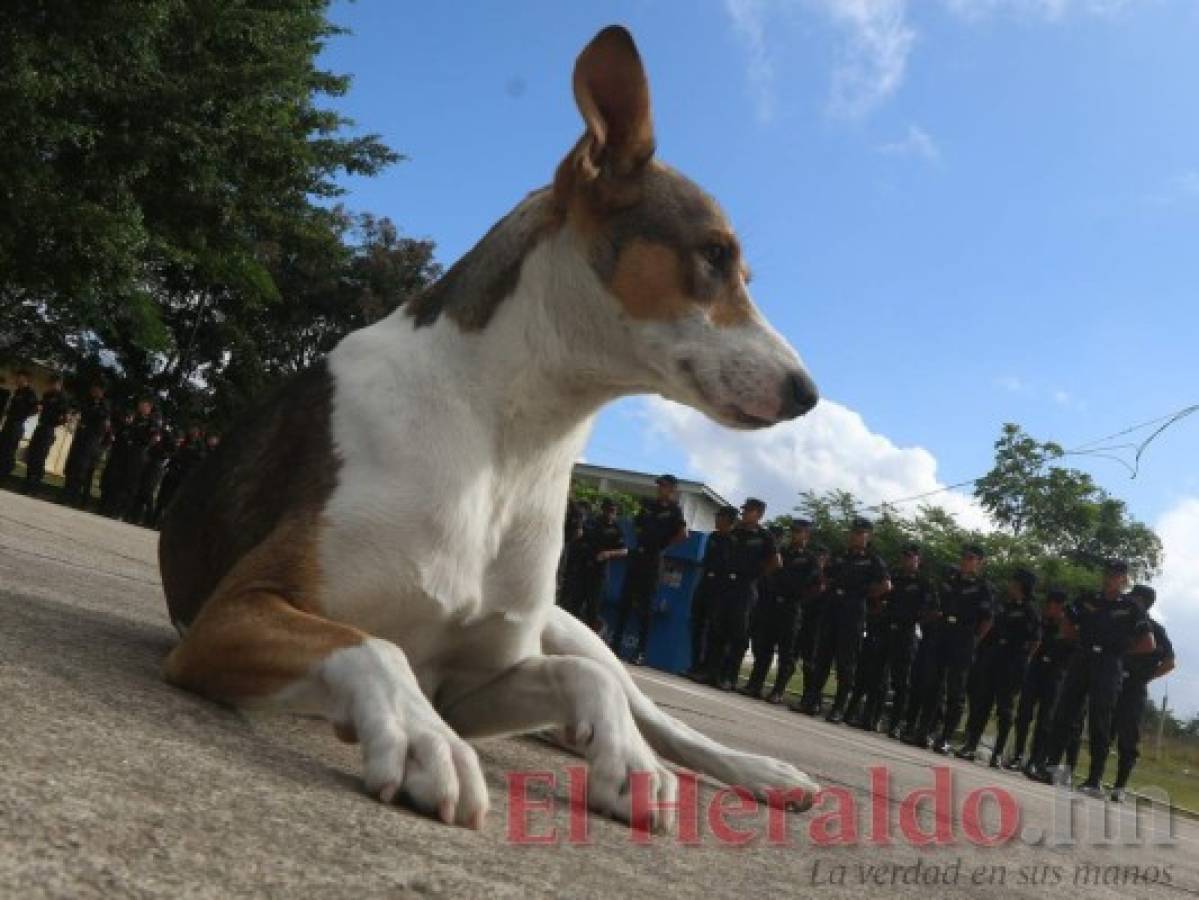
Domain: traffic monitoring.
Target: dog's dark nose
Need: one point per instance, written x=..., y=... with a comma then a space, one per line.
x=799, y=395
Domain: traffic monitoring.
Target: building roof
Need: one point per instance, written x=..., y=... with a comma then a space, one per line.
x=647, y=480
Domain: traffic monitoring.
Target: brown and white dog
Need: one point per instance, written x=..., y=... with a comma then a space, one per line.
x=378, y=542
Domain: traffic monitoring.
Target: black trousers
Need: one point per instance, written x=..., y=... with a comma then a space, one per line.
x=638, y=592
x=730, y=629
x=1038, y=700
x=998, y=677
x=896, y=649
x=36, y=453
x=918, y=681
x=811, y=614
x=702, y=608
x=839, y=642
x=81, y=468
x=776, y=629
x=1130, y=712
x=952, y=655
x=869, y=673
x=10, y=437
x=1092, y=685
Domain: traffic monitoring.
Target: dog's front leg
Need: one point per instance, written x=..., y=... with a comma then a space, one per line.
x=766, y=777
x=583, y=699
x=256, y=649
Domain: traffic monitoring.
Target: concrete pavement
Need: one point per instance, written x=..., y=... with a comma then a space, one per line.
x=114, y=784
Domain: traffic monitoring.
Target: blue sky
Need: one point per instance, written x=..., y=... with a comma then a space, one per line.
x=961, y=212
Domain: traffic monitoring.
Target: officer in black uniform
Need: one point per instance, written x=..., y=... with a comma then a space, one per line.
x=999, y=671
x=811, y=617
x=574, y=553
x=867, y=695
x=753, y=554
x=778, y=613
x=856, y=578
x=53, y=413
x=87, y=445
x=1107, y=626
x=112, y=481
x=1042, y=682
x=189, y=453
x=659, y=525
x=1139, y=670
x=142, y=433
x=717, y=563
x=963, y=619
x=21, y=406
x=141, y=509
x=603, y=541
x=910, y=600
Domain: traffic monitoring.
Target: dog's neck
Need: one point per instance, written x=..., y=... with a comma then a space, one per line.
x=546, y=358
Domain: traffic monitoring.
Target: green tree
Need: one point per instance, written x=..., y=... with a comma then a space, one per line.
x=1058, y=511
x=157, y=154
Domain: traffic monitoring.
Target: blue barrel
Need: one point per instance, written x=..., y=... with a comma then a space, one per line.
x=669, y=646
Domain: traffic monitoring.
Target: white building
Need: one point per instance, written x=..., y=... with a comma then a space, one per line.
x=699, y=502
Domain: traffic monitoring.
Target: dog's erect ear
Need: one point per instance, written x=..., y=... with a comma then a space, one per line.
x=612, y=94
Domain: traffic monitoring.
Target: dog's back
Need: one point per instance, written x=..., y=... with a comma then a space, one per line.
x=268, y=478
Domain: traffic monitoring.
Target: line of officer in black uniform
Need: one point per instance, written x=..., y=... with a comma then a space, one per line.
x=1094, y=656
x=145, y=464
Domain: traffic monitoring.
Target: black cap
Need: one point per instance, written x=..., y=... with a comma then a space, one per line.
x=974, y=550
x=1144, y=593
x=911, y=549
x=1115, y=567
x=819, y=548
x=861, y=523
x=1027, y=579
x=776, y=530
x=727, y=510
x=1057, y=594
x=754, y=503
x=797, y=524
x=667, y=479
x=607, y=503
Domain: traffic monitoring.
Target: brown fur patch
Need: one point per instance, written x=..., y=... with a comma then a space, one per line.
x=648, y=283
x=733, y=308
x=252, y=645
x=267, y=482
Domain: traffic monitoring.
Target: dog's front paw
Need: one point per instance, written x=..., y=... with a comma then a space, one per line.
x=774, y=781
x=432, y=769
x=627, y=781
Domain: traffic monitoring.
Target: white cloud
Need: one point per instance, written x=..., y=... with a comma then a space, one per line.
x=1051, y=10
x=748, y=20
x=877, y=39
x=1178, y=598
x=1013, y=383
x=875, y=56
x=917, y=142
x=1183, y=188
x=830, y=448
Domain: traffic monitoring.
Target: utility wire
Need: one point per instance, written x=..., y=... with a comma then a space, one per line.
x=1089, y=448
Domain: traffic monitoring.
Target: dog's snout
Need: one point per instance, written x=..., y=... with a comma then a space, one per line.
x=800, y=395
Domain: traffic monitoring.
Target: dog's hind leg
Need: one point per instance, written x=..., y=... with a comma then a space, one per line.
x=769, y=779
x=584, y=699
x=254, y=648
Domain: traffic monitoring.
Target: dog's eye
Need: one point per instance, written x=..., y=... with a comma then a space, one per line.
x=718, y=256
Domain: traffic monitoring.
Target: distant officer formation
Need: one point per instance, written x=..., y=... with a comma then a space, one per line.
x=916, y=654
x=141, y=460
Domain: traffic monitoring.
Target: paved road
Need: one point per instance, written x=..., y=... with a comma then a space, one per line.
x=114, y=784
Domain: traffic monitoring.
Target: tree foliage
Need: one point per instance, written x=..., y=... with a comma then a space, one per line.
x=167, y=169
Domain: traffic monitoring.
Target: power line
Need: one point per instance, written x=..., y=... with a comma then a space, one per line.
x=1085, y=449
